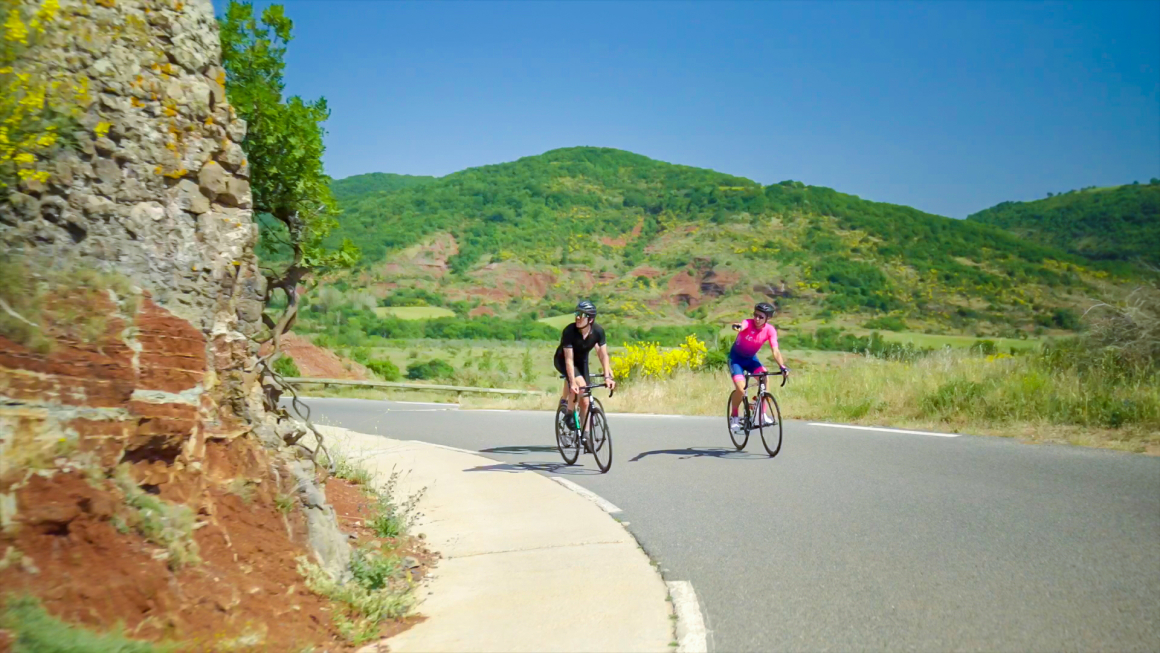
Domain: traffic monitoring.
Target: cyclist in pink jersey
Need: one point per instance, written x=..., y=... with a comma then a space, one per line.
x=752, y=334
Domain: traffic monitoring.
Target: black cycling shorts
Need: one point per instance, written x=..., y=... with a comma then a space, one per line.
x=580, y=364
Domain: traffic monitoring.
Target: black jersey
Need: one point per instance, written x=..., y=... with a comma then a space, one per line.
x=572, y=338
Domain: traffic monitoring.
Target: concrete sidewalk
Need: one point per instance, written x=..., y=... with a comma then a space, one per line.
x=528, y=565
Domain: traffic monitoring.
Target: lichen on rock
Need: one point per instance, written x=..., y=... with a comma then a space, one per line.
x=155, y=191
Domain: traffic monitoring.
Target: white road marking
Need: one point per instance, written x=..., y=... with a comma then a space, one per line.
x=876, y=428
x=443, y=446
x=619, y=415
x=424, y=403
x=587, y=494
x=690, y=625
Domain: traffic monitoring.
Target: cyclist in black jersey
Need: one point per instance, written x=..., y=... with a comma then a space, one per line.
x=577, y=339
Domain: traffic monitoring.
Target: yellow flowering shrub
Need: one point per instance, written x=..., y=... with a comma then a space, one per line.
x=32, y=107
x=647, y=360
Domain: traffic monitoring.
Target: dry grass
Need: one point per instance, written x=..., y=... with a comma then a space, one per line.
x=950, y=391
x=42, y=300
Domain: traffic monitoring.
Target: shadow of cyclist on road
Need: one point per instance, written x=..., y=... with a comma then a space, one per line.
x=523, y=448
x=554, y=468
x=701, y=452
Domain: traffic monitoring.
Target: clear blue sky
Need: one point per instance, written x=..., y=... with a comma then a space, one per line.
x=949, y=107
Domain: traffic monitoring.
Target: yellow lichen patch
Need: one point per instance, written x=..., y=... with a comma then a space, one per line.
x=32, y=106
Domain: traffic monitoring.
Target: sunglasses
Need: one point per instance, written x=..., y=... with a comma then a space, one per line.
x=581, y=315
x=759, y=316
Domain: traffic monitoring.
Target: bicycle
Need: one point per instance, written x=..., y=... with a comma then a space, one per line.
x=568, y=431
x=741, y=438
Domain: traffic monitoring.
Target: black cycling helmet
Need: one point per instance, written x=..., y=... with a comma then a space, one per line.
x=765, y=309
x=586, y=307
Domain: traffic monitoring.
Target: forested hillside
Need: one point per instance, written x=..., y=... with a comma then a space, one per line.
x=656, y=240
x=1120, y=223
x=359, y=185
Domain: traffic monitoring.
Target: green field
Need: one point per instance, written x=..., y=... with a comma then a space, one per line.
x=558, y=321
x=935, y=341
x=501, y=364
x=414, y=312
x=479, y=363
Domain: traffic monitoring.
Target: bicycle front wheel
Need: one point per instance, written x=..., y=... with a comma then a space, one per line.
x=771, y=434
x=567, y=440
x=600, y=437
x=741, y=437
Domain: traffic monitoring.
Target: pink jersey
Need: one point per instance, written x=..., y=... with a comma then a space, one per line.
x=750, y=339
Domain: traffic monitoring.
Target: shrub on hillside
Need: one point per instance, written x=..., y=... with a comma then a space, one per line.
x=985, y=347
x=436, y=368
x=413, y=297
x=1060, y=318
x=888, y=323
x=286, y=366
x=384, y=369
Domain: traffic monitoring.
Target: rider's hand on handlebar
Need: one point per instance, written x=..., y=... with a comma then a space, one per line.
x=611, y=384
x=575, y=387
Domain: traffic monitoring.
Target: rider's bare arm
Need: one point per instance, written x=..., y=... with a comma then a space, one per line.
x=777, y=355
x=606, y=365
x=570, y=367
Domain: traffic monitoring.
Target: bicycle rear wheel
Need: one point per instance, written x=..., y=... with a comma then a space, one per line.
x=601, y=437
x=567, y=440
x=771, y=435
x=741, y=437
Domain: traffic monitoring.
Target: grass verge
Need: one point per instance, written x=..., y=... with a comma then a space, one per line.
x=952, y=390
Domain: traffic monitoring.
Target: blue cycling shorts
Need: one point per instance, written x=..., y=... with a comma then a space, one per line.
x=739, y=365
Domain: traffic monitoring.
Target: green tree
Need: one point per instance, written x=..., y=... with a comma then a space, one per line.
x=284, y=148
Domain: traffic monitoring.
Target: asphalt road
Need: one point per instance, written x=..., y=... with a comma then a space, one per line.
x=854, y=539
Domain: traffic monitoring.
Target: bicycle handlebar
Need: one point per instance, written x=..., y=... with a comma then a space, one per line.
x=784, y=376
x=598, y=385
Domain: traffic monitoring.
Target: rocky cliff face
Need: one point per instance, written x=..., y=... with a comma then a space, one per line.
x=153, y=370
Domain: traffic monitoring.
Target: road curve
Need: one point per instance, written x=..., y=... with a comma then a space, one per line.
x=856, y=539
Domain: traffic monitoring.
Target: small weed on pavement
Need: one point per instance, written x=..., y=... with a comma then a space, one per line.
x=381, y=586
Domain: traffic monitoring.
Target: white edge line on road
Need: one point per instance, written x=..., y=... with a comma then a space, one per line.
x=877, y=428
x=587, y=494
x=619, y=415
x=690, y=625
x=443, y=446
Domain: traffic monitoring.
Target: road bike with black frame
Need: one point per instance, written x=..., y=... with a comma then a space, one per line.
x=599, y=438
x=770, y=433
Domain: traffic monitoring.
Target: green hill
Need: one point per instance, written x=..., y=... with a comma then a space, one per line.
x=1120, y=223
x=657, y=242
x=359, y=185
